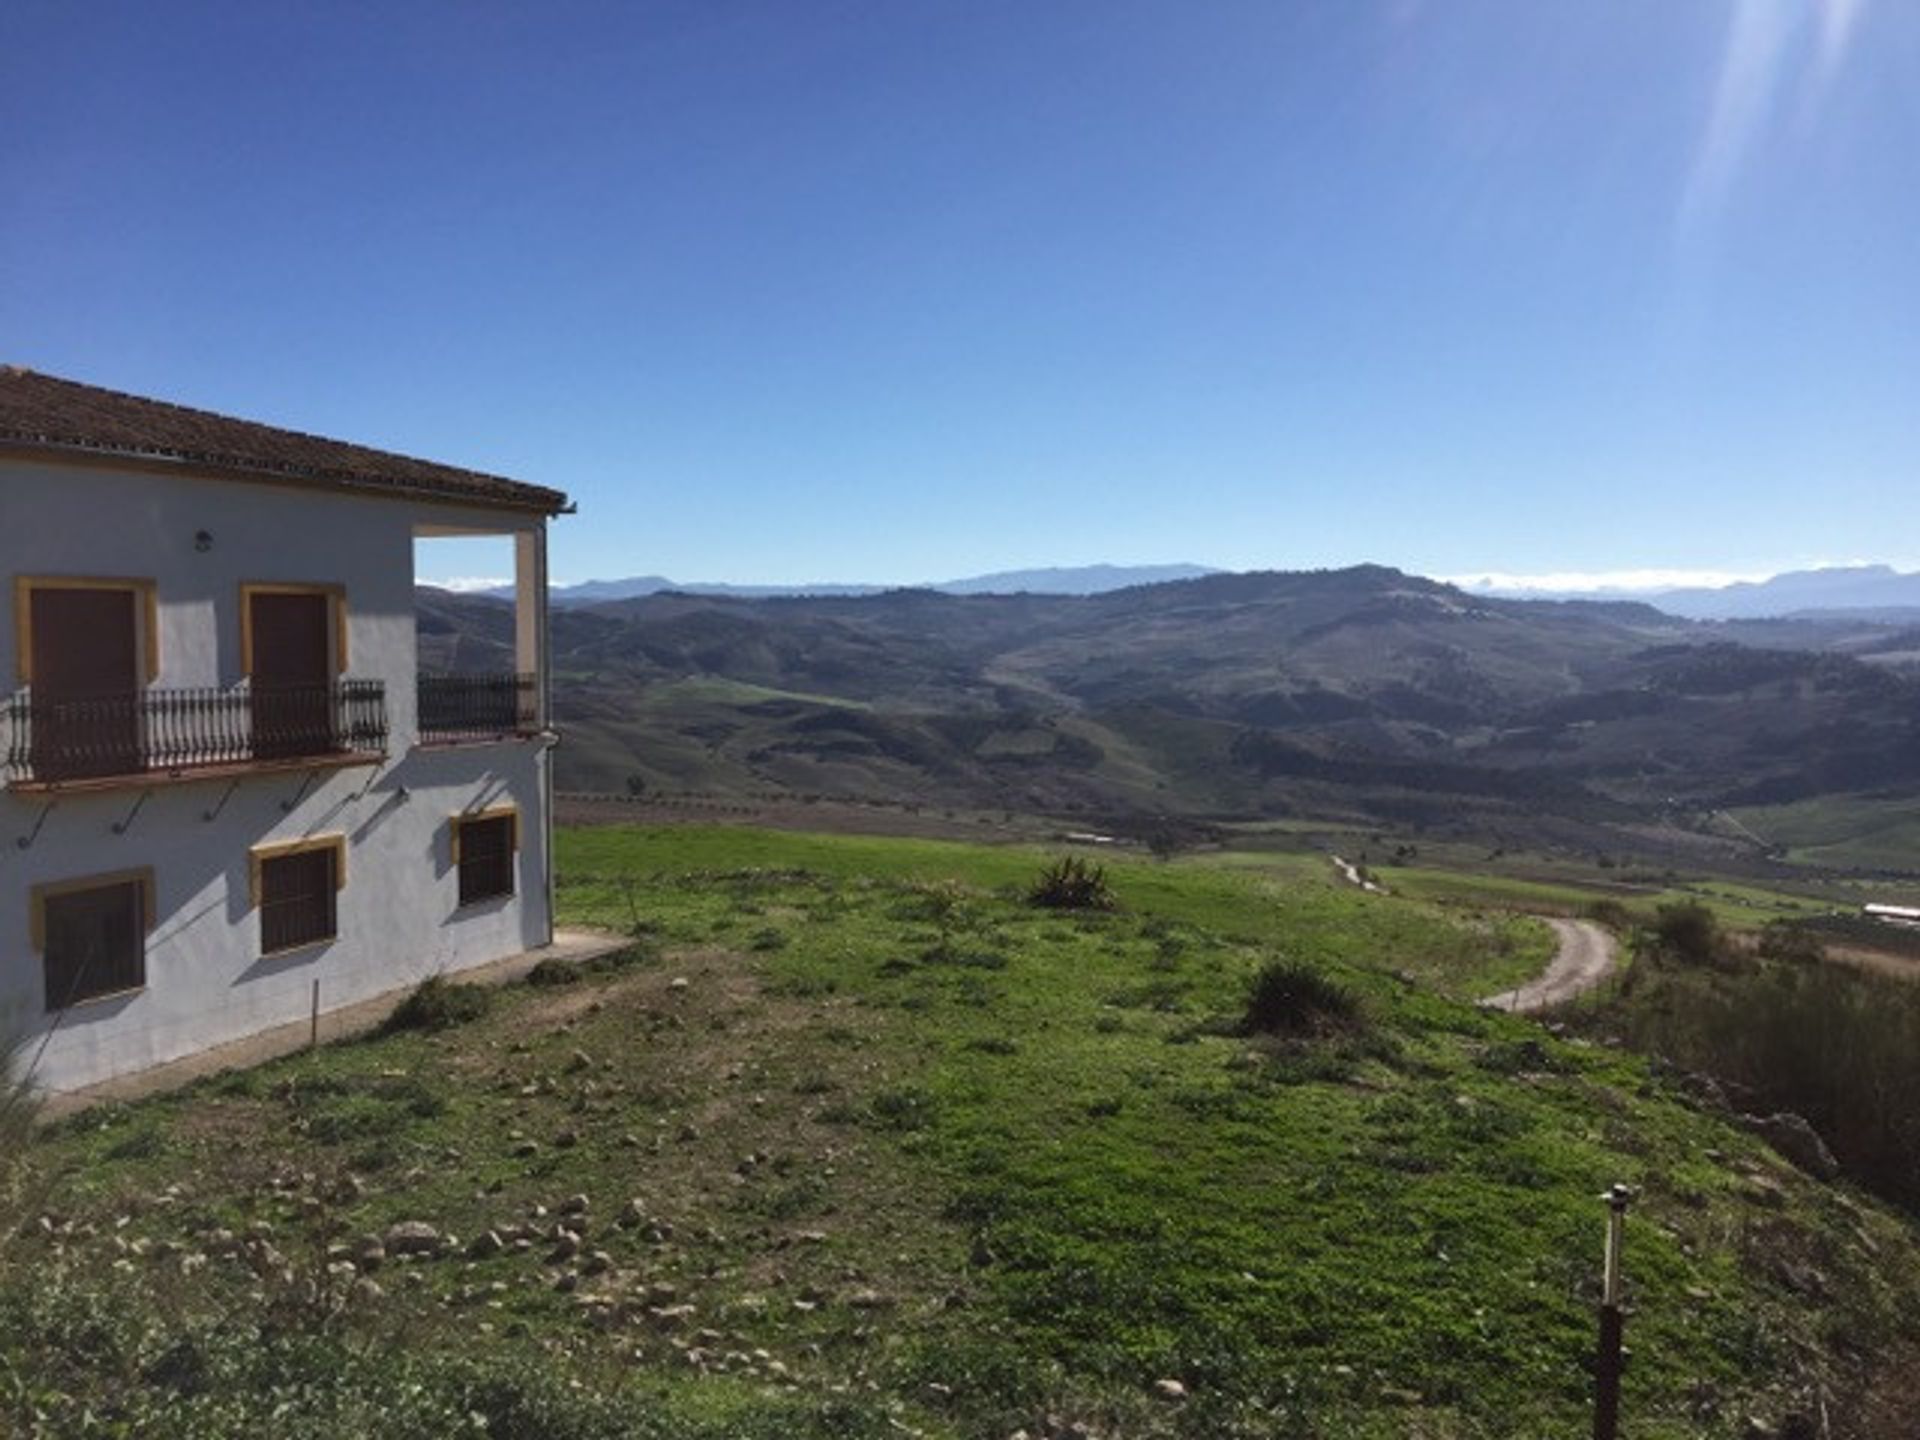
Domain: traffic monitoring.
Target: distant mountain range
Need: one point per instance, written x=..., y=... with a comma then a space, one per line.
x=1053, y=580
x=1849, y=588
x=1861, y=591
x=1363, y=690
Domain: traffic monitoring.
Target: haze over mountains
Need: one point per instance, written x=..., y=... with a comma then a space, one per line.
x=1868, y=590
x=1362, y=690
x=1052, y=580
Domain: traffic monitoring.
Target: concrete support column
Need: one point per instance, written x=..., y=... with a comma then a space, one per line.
x=531, y=658
x=530, y=610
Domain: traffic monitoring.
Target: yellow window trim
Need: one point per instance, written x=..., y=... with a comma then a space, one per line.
x=40, y=894
x=469, y=817
x=337, y=617
x=146, y=589
x=260, y=854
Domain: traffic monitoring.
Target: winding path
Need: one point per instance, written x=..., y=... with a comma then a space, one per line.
x=1586, y=957
x=1351, y=873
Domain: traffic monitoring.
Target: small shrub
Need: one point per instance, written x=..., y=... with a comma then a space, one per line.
x=1787, y=943
x=993, y=1045
x=236, y=1084
x=1165, y=995
x=380, y=1154
x=144, y=1143
x=1689, y=933
x=1071, y=883
x=435, y=1004
x=1612, y=914
x=553, y=972
x=1514, y=1057
x=789, y=1200
x=18, y=1108
x=616, y=962
x=1291, y=998
x=944, y=902
x=359, y=1119
x=904, y=1108
x=966, y=959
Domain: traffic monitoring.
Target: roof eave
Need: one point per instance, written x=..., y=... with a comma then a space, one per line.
x=539, y=500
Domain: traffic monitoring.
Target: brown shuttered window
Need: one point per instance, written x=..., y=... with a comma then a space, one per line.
x=95, y=941
x=297, y=895
x=486, y=847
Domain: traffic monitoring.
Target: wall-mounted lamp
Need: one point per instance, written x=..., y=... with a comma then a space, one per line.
x=203, y=540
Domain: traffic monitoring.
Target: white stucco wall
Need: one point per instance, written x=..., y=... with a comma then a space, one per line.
x=398, y=918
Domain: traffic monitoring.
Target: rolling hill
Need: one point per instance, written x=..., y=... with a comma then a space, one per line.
x=1362, y=690
x=1049, y=580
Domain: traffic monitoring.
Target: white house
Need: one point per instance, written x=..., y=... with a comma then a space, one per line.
x=229, y=794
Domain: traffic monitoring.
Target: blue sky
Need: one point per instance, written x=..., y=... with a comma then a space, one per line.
x=901, y=290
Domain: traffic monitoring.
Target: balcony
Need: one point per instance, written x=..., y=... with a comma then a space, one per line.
x=183, y=733
x=459, y=708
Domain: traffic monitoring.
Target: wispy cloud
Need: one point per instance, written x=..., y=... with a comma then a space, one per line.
x=1758, y=36
x=465, y=583
x=1767, y=40
x=1838, y=20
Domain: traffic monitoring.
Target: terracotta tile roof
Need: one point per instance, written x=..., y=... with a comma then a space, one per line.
x=45, y=412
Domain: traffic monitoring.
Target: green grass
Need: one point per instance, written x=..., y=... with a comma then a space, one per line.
x=1842, y=830
x=1736, y=904
x=959, y=1164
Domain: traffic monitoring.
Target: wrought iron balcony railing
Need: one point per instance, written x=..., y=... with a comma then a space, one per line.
x=170, y=731
x=477, y=707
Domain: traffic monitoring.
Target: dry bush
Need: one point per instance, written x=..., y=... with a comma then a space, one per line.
x=1291, y=998
x=1801, y=1034
x=19, y=1108
x=1071, y=883
x=438, y=1004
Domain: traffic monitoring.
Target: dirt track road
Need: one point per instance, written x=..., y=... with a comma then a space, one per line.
x=1585, y=957
x=1351, y=874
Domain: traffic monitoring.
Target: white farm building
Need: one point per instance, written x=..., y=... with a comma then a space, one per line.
x=229, y=794
x=1906, y=915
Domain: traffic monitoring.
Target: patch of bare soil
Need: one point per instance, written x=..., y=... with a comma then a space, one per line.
x=734, y=1107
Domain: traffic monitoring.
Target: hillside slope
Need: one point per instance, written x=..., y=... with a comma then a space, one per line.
x=1230, y=693
x=861, y=1144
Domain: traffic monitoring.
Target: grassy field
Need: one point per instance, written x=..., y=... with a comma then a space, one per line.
x=1842, y=830
x=1735, y=903
x=870, y=1146
x=1452, y=871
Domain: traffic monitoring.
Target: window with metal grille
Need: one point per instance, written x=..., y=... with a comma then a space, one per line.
x=485, y=847
x=297, y=895
x=94, y=941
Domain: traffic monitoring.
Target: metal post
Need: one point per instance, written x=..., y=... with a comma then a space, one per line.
x=1608, y=1364
x=313, y=1033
